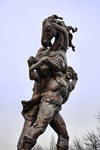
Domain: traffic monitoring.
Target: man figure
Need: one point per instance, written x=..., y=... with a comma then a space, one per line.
x=52, y=87
x=52, y=97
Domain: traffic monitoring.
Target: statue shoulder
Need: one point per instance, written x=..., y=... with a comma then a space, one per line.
x=41, y=51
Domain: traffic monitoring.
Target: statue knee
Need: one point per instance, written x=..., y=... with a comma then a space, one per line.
x=63, y=143
x=35, y=132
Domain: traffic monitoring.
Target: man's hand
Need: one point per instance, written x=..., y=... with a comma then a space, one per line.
x=34, y=76
x=38, y=64
x=31, y=60
x=75, y=76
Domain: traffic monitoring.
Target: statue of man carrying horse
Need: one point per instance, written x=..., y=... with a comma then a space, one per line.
x=54, y=80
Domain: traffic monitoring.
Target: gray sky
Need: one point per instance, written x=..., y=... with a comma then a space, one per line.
x=20, y=35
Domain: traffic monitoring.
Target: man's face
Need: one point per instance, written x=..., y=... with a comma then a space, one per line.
x=69, y=73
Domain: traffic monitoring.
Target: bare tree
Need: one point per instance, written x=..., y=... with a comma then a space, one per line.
x=77, y=145
x=92, y=141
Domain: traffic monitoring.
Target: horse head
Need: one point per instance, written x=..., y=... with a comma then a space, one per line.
x=48, y=30
x=53, y=26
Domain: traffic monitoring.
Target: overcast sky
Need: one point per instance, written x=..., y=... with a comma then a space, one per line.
x=20, y=37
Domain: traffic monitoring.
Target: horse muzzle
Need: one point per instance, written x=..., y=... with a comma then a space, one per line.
x=45, y=43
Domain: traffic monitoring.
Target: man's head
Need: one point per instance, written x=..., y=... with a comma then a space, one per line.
x=69, y=73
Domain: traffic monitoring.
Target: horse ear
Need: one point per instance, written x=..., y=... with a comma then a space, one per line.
x=57, y=17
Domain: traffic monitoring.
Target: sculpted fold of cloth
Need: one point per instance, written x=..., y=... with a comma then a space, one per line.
x=54, y=81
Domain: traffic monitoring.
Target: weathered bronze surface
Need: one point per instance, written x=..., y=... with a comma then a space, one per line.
x=54, y=80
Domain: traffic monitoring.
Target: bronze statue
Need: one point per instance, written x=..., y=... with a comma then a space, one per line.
x=54, y=80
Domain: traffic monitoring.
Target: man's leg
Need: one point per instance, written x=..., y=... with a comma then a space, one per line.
x=44, y=117
x=26, y=126
x=59, y=127
x=30, y=117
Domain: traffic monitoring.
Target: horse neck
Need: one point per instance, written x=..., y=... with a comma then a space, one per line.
x=60, y=42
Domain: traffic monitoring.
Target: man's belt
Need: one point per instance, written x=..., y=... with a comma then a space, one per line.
x=52, y=99
x=48, y=95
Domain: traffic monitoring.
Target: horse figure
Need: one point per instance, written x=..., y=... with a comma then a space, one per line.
x=54, y=27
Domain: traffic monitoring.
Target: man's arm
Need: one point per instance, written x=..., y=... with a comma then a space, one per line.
x=73, y=82
x=32, y=63
x=56, y=63
x=71, y=85
x=33, y=75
